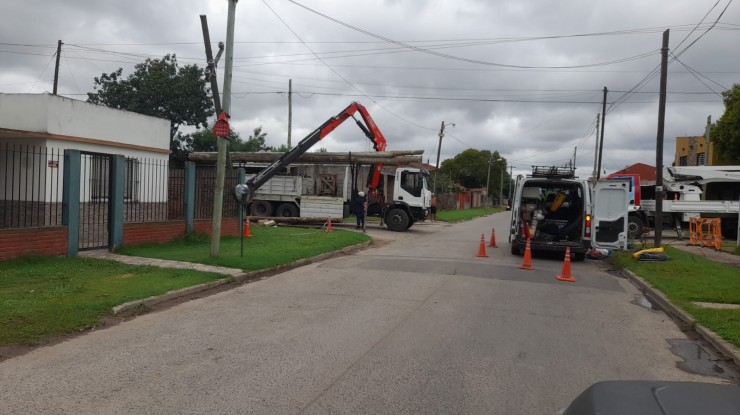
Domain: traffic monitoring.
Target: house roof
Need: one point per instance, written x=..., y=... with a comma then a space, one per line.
x=645, y=171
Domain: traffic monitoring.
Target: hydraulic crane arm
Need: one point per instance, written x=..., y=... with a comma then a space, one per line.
x=370, y=129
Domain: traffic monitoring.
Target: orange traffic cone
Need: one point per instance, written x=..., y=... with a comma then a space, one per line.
x=492, y=244
x=482, y=249
x=328, y=225
x=527, y=263
x=246, y=233
x=565, y=273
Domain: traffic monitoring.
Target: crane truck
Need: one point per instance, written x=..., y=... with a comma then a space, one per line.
x=410, y=199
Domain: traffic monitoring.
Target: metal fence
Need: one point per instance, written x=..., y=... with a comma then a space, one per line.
x=205, y=184
x=30, y=186
x=148, y=185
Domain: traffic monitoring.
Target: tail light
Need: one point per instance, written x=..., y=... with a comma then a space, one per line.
x=588, y=226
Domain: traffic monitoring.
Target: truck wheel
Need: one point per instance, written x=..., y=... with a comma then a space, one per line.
x=261, y=208
x=287, y=210
x=634, y=227
x=397, y=220
x=411, y=223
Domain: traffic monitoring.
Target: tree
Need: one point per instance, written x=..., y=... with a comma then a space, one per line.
x=725, y=133
x=161, y=88
x=205, y=140
x=470, y=169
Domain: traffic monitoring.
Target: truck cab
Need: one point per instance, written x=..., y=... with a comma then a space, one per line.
x=410, y=200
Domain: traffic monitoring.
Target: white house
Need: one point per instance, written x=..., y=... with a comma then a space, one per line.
x=34, y=126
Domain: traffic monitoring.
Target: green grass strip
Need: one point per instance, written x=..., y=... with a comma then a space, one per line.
x=49, y=296
x=688, y=278
x=465, y=214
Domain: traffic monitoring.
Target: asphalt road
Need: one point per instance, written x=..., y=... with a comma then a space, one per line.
x=415, y=324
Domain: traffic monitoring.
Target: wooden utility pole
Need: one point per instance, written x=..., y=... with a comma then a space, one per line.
x=290, y=111
x=659, y=143
x=56, y=68
x=222, y=142
x=596, y=148
x=601, y=142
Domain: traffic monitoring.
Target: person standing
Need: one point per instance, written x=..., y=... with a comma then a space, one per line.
x=359, y=207
x=433, y=209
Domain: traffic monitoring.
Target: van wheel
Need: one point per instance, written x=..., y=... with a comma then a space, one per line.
x=287, y=210
x=579, y=256
x=397, y=220
x=261, y=208
x=515, y=250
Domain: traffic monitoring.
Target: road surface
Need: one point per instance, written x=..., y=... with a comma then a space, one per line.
x=414, y=324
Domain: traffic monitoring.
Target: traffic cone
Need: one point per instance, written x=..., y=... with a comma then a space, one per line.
x=246, y=233
x=527, y=263
x=492, y=244
x=565, y=273
x=482, y=249
x=328, y=225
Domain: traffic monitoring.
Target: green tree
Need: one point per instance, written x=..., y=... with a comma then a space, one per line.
x=205, y=140
x=161, y=88
x=725, y=133
x=470, y=169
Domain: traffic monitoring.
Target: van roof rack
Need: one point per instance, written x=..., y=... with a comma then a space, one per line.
x=554, y=172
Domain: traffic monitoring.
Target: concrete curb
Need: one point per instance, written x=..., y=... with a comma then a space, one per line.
x=687, y=321
x=241, y=277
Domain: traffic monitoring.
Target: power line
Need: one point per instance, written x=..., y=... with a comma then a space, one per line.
x=338, y=74
x=457, y=58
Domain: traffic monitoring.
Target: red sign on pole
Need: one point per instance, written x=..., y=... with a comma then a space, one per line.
x=221, y=129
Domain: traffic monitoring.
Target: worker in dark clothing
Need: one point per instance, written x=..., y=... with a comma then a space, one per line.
x=359, y=207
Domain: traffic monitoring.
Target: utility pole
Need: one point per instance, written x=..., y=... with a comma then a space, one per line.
x=575, y=152
x=488, y=178
x=290, y=111
x=707, y=142
x=56, y=68
x=603, y=122
x=596, y=149
x=221, y=141
x=659, y=144
x=439, y=147
x=511, y=171
x=501, y=187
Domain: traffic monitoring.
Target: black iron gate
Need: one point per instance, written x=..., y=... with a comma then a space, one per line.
x=95, y=185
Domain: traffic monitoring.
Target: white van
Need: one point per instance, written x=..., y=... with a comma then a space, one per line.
x=555, y=210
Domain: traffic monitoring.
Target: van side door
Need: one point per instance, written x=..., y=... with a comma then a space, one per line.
x=611, y=200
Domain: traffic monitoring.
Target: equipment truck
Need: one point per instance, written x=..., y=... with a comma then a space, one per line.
x=684, y=198
x=399, y=204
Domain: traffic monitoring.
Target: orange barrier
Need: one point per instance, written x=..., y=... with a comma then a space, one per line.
x=246, y=233
x=706, y=232
x=565, y=273
x=482, y=249
x=527, y=263
x=492, y=244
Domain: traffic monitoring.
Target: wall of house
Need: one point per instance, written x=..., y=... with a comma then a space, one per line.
x=52, y=114
x=16, y=242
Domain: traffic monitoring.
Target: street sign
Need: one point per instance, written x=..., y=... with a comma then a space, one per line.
x=221, y=129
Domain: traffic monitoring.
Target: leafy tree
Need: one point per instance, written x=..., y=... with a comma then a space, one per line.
x=205, y=140
x=725, y=133
x=161, y=88
x=470, y=169
x=282, y=148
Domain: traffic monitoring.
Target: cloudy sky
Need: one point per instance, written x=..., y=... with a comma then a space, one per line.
x=522, y=77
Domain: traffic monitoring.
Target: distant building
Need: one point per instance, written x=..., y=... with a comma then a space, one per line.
x=646, y=172
x=694, y=151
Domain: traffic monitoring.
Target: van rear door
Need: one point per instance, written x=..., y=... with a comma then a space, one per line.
x=517, y=200
x=611, y=199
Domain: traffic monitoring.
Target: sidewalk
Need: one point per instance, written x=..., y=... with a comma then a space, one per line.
x=161, y=263
x=707, y=252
